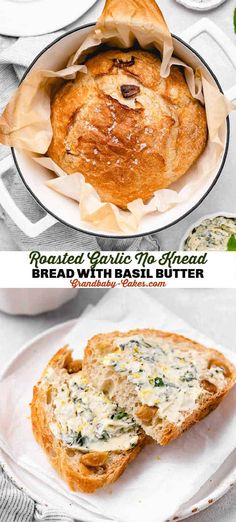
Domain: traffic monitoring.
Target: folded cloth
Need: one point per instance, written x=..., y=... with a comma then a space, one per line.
x=16, y=506
x=15, y=56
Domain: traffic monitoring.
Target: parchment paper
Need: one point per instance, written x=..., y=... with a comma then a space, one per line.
x=26, y=121
x=161, y=479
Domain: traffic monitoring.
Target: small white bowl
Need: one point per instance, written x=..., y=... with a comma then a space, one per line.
x=197, y=5
x=66, y=210
x=34, y=301
x=200, y=220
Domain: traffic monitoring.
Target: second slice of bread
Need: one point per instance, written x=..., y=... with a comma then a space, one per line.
x=82, y=468
x=165, y=381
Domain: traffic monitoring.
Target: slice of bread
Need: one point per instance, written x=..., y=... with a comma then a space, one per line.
x=68, y=418
x=165, y=381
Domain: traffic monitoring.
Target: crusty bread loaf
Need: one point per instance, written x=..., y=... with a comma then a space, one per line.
x=83, y=469
x=126, y=129
x=165, y=381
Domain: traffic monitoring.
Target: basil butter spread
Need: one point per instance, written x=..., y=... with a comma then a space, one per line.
x=164, y=375
x=86, y=419
x=211, y=234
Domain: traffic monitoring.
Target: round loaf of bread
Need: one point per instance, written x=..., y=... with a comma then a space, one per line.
x=126, y=129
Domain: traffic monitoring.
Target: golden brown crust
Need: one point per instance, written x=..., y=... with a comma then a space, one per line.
x=82, y=471
x=163, y=432
x=128, y=146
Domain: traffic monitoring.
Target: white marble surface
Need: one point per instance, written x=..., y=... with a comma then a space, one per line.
x=211, y=311
x=222, y=197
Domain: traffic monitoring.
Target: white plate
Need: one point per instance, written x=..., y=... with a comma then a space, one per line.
x=66, y=210
x=199, y=5
x=212, y=490
x=34, y=17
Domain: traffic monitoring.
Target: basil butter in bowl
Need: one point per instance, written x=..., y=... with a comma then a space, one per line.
x=212, y=232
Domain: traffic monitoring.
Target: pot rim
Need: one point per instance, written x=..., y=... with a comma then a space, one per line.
x=141, y=234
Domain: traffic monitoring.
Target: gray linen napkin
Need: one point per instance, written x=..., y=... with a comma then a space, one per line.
x=16, y=506
x=15, y=56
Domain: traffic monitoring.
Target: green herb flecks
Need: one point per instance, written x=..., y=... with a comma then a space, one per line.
x=158, y=381
x=235, y=20
x=104, y=435
x=231, y=245
x=187, y=377
x=119, y=415
x=74, y=439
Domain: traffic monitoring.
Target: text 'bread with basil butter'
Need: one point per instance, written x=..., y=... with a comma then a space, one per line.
x=89, y=440
x=165, y=381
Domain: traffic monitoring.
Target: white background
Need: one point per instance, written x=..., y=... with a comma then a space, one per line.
x=212, y=312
